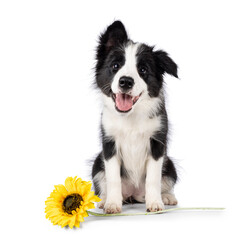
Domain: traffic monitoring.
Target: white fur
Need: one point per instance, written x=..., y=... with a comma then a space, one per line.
x=114, y=194
x=131, y=139
x=153, y=184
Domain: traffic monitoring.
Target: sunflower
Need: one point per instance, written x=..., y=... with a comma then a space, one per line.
x=68, y=205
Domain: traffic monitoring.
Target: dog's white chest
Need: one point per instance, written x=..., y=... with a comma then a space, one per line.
x=132, y=141
x=133, y=149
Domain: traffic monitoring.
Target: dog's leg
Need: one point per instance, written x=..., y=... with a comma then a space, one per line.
x=99, y=182
x=168, y=196
x=169, y=178
x=113, y=182
x=153, y=185
x=154, y=172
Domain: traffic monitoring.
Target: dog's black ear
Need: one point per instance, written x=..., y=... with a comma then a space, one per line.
x=114, y=35
x=165, y=63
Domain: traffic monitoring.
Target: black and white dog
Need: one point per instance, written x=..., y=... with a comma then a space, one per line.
x=133, y=165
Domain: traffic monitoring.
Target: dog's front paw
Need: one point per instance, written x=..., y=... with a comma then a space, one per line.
x=154, y=206
x=101, y=204
x=112, y=207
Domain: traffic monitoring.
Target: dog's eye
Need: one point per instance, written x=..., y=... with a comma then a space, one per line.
x=142, y=70
x=115, y=66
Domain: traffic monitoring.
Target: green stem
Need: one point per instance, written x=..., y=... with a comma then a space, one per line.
x=151, y=213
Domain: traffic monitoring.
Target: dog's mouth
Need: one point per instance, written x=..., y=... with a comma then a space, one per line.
x=124, y=102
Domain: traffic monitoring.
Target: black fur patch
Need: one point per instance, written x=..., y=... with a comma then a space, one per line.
x=108, y=143
x=108, y=149
x=109, y=52
x=146, y=60
x=105, y=75
x=157, y=149
x=114, y=36
x=169, y=169
x=155, y=64
x=165, y=63
x=98, y=165
x=158, y=141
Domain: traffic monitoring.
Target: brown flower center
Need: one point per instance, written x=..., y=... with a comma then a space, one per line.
x=72, y=202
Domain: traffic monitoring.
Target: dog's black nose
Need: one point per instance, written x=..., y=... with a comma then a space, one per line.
x=126, y=83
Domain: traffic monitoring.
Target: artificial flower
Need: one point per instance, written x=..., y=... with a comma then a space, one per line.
x=68, y=205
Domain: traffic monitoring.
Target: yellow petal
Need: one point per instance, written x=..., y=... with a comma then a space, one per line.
x=77, y=224
x=85, y=214
x=69, y=184
x=85, y=189
x=95, y=199
x=89, y=206
x=65, y=222
x=72, y=221
x=78, y=184
x=52, y=212
x=61, y=189
x=80, y=218
x=87, y=197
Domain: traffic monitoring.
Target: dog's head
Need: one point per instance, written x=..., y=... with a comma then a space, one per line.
x=128, y=73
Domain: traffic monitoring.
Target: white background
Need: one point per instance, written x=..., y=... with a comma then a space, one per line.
x=49, y=112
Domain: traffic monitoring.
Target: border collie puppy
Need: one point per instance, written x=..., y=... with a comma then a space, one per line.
x=133, y=165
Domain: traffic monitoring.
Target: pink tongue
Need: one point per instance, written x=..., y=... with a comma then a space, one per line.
x=123, y=102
